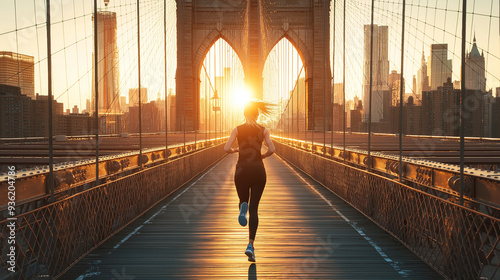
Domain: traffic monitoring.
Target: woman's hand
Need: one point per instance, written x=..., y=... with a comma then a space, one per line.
x=267, y=154
x=230, y=142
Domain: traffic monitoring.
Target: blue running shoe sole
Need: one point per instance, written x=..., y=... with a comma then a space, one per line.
x=250, y=255
x=242, y=218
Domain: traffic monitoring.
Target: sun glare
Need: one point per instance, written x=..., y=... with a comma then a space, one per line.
x=240, y=96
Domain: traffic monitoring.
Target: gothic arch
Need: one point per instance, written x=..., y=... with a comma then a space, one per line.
x=241, y=24
x=209, y=41
x=297, y=43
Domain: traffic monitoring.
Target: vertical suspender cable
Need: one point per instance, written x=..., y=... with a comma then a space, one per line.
x=401, y=88
x=196, y=88
x=282, y=110
x=332, y=82
x=207, y=116
x=221, y=86
x=325, y=63
x=221, y=65
x=139, y=81
x=17, y=47
x=177, y=105
x=462, y=96
x=343, y=78
x=313, y=121
x=297, y=100
x=370, y=91
x=287, y=88
x=166, y=72
x=49, y=65
x=96, y=93
x=306, y=80
x=215, y=90
x=207, y=99
x=210, y=94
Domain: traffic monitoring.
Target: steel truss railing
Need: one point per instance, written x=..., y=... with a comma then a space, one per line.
x=73, y=177
x=436, y=178
x=50, y=239
x=458, y=242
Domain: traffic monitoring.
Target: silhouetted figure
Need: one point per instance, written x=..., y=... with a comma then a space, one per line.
x=250, y=175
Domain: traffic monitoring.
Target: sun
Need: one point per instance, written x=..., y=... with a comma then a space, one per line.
x=240, y=97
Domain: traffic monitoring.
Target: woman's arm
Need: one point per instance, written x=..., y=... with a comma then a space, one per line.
x=269, y=142
x=230, y=142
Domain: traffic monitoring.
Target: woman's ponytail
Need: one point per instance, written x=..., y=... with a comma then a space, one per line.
x=254, y=107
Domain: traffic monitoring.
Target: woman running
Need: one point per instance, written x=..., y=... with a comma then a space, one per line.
x=250, y=175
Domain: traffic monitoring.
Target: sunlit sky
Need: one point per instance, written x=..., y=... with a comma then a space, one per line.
x=23, y=30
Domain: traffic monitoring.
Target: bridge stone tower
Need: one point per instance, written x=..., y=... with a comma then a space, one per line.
x=252, y=28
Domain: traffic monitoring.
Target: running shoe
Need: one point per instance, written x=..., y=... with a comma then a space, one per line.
x=250, y=253
x=242, y=218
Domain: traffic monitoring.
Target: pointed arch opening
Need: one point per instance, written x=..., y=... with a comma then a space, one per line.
x=284, y=84
x=221, y=90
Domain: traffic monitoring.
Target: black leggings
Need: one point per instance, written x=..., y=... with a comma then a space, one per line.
x=250, y=182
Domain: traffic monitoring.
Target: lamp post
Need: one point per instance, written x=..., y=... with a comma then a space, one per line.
x=216, y=107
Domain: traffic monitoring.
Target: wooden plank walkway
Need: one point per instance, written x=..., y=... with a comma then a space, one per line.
x=194, y=234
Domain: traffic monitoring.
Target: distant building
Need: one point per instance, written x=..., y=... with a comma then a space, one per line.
x=414, y=88
x=380, y=71
x=107, y=68
x=349, y=105
x=356, y=117
x=441, y=112
x=150, y=121
x=87, y=106
x=394, y=81
x=422, y=83
x=75, y=110
x=21, y=116
x=412, y=118
x=160, y=105
x=338, y=117
x=18, y=70
x=171, y=107
x=133, y=96
x=123, y=104
x=15, y=113
x=40, y=120
x=496, y=116
x=338, y=93
x=77, y=124
x=439, y=67
x=475, y=73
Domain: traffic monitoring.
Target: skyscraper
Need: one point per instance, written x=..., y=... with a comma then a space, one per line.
x=380, y=70
x=475, y=78
x=394, y=82
x=133, y=96
x=439, y=67
x=107, y=68
x=18, y=70
x=123, y=104
x=87, y=106
x=15, y=112
x=422, y=77
x=338, y=93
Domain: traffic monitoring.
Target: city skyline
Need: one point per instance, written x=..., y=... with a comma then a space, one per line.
x=74, y=83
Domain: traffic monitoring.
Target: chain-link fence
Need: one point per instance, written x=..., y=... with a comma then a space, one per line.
x=458, y=242
x=50, y=239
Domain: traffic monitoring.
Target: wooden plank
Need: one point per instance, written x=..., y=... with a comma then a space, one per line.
x=195, y=235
